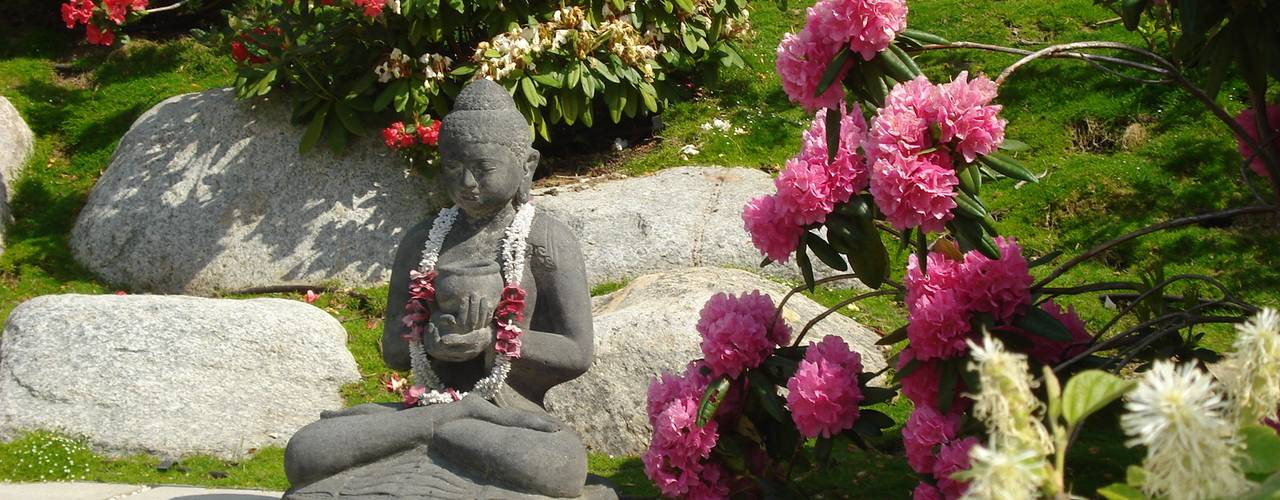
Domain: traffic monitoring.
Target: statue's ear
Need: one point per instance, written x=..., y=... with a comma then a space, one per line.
x=526, y=184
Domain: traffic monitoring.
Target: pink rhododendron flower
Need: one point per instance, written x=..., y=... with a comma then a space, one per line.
x=99, y=36
x=900, y=129
x=669, y=387
x=921, y=385
x=801, y=61
x=1247, y=119
x=915, y=192
x=736, y=334
x=846, y=174
x=804, y=191
x=310, y=297
x=771, y=231
x=943, y=274
x=938, y=325
x=924, y=430
x=677, y=460
x=926, y=491
x=1000, y=287
x=74, y=13
x=969, y=118
x=868, y=26
x=1052, y=352
x=371, y=7
x=823, y=395
x=397, y=137
x=953, y=458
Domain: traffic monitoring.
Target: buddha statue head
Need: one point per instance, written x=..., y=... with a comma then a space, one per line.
x=486, y=150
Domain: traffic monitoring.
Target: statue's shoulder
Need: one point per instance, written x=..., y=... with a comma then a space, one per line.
x=551, y=242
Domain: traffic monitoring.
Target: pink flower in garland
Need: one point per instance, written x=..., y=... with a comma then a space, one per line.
x=867, y=26
x=1000, y=287
x=925, y=430
x=414, y=395
x=804, y=191
x=1051, y=351
x=770, y=228
x=846, y=174
x=953, y=458
x=508, y=343
x=915, y=192
x=422, y=285
x=371, y=7
x=823, y=395
x=1248, y=119
x=801, y=61
x=971, y=121
x=736, y=333
x=926, y=491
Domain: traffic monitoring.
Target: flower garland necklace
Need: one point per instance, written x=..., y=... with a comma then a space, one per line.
x=510, y=311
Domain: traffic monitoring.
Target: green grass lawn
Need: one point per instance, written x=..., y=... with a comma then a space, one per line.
x=1116, y=156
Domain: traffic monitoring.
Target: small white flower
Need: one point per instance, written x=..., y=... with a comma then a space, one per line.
x=394, y=5
x=1253, y=368
x=1180, y=417
x=619, y=144
x=689, y=150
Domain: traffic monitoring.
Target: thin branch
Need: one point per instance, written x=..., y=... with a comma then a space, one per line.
x=1170, y=224
x=166, y=8
x=835, y=308
x=777, y=315
x=1057, y=55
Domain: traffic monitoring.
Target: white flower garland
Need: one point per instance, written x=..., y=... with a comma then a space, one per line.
x=513, y=246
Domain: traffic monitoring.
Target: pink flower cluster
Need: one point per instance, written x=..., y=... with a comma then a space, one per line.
x=1248, y=120
x=823, y=395
x=738, y=332
x=678, y=460
x=809, y=187
x=921, y=385
x=935, y=449
x=865, y=26
x=913, y=138
x=77, y=12
x=371, y=7
x=941, y=302
x=417, y=310
x=401, y=136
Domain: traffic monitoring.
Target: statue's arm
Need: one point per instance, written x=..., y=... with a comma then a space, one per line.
x=395, y=351
x=560, y=337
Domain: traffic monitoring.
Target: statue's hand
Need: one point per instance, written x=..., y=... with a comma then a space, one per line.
x=456, y=340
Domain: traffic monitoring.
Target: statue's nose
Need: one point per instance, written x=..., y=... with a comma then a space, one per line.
x=468, y=179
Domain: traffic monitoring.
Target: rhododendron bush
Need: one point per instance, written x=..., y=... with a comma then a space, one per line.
x=358, y=66
x=892, y=154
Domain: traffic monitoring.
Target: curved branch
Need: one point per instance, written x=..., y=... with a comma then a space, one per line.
x=1059, y=55
x=1169, y=224
x=835, y=308
x=169, y=7
x=777, y=315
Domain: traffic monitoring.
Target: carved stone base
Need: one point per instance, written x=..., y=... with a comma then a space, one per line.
x=420, y=474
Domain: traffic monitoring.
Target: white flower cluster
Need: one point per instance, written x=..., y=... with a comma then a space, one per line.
x=738, y=26
x=435, y=67
x=1251, y=368
x=397, y=65
x=1013, y=463
x=514, y=243
x=569, y=31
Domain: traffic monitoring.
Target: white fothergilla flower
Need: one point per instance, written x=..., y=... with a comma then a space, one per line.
x=1179, y=415
x=1252, y=376
x=1002, y=475
x=1011, y=412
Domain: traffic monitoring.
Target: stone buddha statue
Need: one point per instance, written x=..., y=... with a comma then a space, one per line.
x=497, y=441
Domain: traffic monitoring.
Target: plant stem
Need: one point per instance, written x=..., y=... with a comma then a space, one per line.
x=835, y=308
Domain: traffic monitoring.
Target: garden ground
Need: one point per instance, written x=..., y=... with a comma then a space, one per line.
x=1115, y=155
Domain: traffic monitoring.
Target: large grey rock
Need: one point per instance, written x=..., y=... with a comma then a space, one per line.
x=170, y=375
x=16, y=143
x=648, y=327
x=677, y=218
x=206, y=194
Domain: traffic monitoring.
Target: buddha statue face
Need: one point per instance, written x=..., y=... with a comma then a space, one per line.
x=487, y=159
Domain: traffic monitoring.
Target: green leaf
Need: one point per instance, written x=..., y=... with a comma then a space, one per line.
x=876, y=395
x=553, y=80
x=1135, y=476
x=389, y=94
x=898, y=335
x=1262, y=445
x=832, y=119
x=825, y=253
x=649, y=96
x=1044, y=259
x=1131, y=12
x=350, y=120
x=531, y=94
x=822, y=450
x=1014, y=145
x=947, y=382
x=833, y=71
x=769, y=399
x=1043, y=324
x=1008, y=167
x=711, y=400
x=1120, y=491
x=312, y=135
x=1090, y=391
x=806, y=268
x=1268, y=490
x=573, y=76
x=894, y=66
x=870, y=423
x=922, y=36
x=686, y=5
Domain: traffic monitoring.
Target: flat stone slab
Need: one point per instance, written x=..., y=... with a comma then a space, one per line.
x=194, y=493
x=677, y=218
x=207, y=194
x=648, y=327
x=170, y=375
